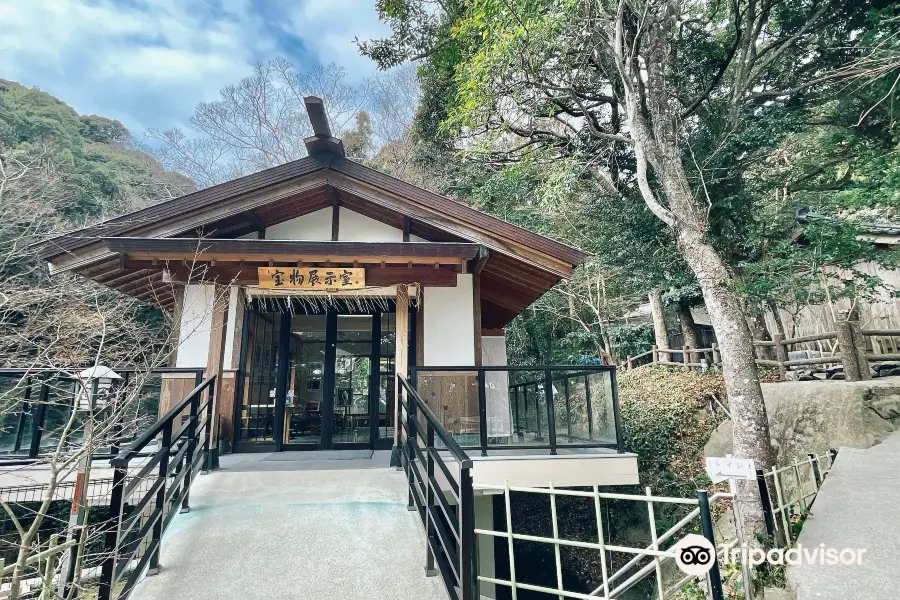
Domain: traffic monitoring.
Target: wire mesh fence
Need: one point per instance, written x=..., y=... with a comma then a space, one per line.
x=53, y=507
x=590, y=544
x=788, y=493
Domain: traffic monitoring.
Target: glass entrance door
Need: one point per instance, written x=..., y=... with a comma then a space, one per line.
x=352, y=397
x=304, y=398
x=317, y=381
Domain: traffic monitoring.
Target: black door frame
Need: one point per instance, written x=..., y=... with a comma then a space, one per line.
x=328, y=379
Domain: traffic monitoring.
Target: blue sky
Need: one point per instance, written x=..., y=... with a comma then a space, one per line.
x=149, y=62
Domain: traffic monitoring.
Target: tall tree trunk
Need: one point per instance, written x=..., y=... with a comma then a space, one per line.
x=688, y=327
x=776, y=317
x=757, y=323
x=660, y=332
x=658, y=147
x=748, y=410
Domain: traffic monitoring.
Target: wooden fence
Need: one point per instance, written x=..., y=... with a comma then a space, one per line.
x=853, y=349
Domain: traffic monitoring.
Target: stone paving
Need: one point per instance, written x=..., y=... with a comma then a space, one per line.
x=306, y=530
x=857, y=507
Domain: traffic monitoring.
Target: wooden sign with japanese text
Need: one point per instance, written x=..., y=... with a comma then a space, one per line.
x=312, y=278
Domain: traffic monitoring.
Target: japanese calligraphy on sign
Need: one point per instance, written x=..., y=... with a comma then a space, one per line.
x=307, y=278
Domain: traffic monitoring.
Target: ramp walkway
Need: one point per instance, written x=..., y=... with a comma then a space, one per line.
x=267, y=527
x=856, y=508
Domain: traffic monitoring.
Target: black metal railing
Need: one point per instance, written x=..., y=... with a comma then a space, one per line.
x=36, y=403
x=152, y=479
x=440, y=489
x=524, y=407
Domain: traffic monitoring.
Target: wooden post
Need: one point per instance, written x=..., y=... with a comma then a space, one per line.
x=859, y=346
x=401, y=352
x=848, y=350
x=628, y=366
x=716, y=357
x=476, y=313
x=654, y=355
x=686, y=356
x=781, y=355
x=660, y=332
x=216, y=356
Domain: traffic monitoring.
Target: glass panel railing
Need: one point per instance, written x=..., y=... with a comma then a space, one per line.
x=15, y=413
x=583, y=404
x=529, y=401
x=514, y=402
x=453, y=397
x=601, y=389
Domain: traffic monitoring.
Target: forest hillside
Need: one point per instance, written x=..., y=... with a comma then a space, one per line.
x=60, y=170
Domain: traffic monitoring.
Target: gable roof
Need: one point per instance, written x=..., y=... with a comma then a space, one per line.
x=517, y=266
x=178, y=206
x=269, y=178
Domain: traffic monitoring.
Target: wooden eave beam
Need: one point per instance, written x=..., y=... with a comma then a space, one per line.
x=401, y=205
x=480, y=261
x=375, y=275
x=142, y=249
x=257, y=224
x=171, y=226
x=335, y=213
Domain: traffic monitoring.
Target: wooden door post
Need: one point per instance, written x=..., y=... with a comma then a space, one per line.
x=215, y=360
x=401, y=351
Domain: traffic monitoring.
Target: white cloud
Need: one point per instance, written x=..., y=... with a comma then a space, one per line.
x=149, y=62
x=328, y=28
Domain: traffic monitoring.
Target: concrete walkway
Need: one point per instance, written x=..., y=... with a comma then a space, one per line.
x=857, y=507
x=299, y=530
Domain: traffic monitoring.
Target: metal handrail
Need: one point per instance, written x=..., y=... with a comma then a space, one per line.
x=171, y=470
x=154, y=430
x=446, y=437
x=449, y=530
x=42, y=370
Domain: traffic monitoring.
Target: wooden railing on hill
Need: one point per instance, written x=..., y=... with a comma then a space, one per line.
x=854, y=349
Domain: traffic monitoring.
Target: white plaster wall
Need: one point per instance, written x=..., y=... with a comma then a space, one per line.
x=449, y=324
x=196, y=326
x=233, y=296
x=493, y=354
x=314, y=227
x=353, y=227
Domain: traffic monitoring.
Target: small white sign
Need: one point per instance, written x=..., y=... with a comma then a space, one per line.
x=722, y=469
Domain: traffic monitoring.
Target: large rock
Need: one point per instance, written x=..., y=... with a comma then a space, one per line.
x=813, y=416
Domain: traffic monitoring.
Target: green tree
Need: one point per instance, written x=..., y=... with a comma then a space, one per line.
x=658, y=101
